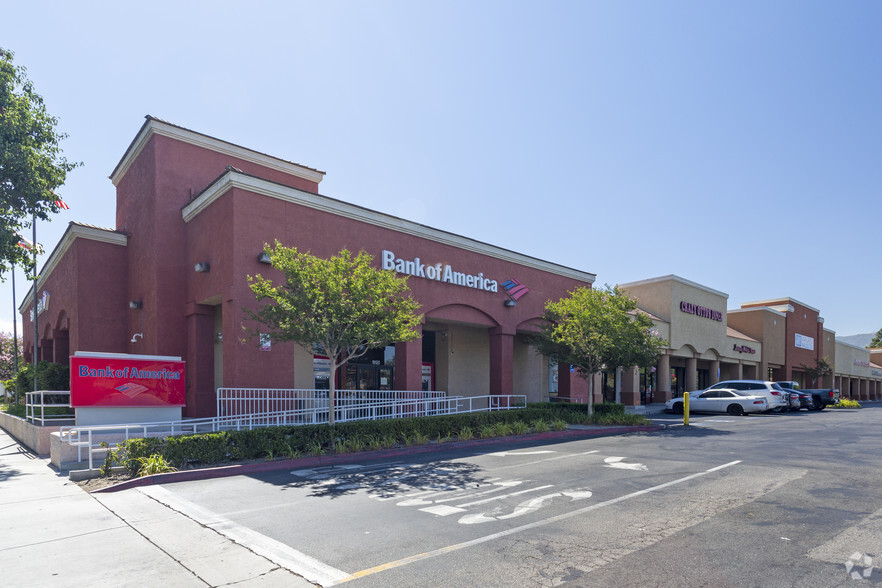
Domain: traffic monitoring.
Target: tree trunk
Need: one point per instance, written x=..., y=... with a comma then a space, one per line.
x=590, y=394
x=332, y=390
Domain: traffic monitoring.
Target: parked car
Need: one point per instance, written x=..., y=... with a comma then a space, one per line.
x=734, y=402
x=794, y=399
x=773, y=392
x=821, y=397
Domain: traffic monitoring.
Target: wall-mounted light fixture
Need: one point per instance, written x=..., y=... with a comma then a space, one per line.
x=136, y=304
x=510, y=302
x=219, y=337
x=203, y=267
x=135, y=337
x=264, y=257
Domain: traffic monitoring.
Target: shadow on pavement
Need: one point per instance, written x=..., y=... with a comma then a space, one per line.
x=388, y=480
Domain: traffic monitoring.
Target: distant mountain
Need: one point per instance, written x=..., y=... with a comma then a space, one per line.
x=859, y=340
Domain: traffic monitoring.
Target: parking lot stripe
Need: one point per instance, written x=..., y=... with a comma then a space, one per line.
x=542, y=523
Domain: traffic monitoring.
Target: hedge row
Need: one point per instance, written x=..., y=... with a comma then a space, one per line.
x=296, y=441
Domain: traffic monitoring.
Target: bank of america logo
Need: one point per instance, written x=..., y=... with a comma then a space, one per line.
x=131, y=389
x=515, y=289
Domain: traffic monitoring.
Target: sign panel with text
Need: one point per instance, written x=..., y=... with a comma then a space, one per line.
x=122, y=381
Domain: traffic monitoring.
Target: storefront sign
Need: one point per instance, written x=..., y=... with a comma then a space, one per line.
x=861, y=363
x=804, y=342
x=701, y=311
x=124, y=381
x=440, y=272
x=743, y=349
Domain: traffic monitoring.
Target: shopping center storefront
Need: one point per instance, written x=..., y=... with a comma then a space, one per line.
x=193, y=214
x=703, y=348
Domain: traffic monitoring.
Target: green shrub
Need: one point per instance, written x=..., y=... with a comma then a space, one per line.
x=50, y=376
x=846, y=403
x=316, y=440
x=520, y=428
x=540, y=426
x=153, y=464
x=609, y=408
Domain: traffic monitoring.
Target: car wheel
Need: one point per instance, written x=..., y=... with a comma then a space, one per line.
x=735, y=410
x=778, y=410
x=678, y=408
x=816, y=404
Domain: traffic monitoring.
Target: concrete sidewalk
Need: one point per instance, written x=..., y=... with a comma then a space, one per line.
x=52, y=533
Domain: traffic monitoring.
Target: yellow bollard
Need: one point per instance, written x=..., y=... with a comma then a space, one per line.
x=686, y=408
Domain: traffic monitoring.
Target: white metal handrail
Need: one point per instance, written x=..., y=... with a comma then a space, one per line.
x=240, y=401
x=102, y=438
x=43, y=399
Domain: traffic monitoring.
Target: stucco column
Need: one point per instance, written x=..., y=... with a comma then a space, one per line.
x=501, y=362
x=201, y=397
x=570, y=385
x=630, y=386
x=691, y=374
x=663, y=379
x=715, y=371
x=739, y=375
x=409, y=363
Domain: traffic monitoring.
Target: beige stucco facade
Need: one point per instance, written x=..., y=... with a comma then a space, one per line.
x=855, y=373
x=702, y=348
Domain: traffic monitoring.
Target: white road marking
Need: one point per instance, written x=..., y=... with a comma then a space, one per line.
x=275, y=551
x=533, y=525
x=507, y=453
x=555, y=458
x=526, y=507
x=486, y=500
x=497, y=487
x=442, y=510
x=616, y=462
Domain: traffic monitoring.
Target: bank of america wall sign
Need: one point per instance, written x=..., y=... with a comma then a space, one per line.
x=514, y=288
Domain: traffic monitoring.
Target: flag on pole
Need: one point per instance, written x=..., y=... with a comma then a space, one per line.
x=24, y=243
x=61, y=204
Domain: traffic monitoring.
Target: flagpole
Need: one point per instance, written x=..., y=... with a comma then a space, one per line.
x=36, y=332
x=14, y=331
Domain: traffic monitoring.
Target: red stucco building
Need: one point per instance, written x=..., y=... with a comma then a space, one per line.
x=193, y=213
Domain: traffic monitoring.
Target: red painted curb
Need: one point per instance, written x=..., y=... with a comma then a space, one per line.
x=270, y=466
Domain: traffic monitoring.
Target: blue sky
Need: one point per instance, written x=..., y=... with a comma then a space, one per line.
x=734, y=144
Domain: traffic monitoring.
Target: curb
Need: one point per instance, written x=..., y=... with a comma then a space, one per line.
x=270, y=466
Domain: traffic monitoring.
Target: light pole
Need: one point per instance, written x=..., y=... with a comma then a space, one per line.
x=34, y=228
x=14, y=331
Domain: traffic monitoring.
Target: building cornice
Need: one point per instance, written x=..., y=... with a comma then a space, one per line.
x=74, y=231
x=235, y=179
x=153, y=126
x=781, y=302
x=755, y=308
x=675, y=278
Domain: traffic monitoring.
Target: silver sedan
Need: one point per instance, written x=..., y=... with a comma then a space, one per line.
x=734, y=402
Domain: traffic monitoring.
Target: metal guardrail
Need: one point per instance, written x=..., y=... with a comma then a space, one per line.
x=241, y=401
x=36, y=404
x=102, y=438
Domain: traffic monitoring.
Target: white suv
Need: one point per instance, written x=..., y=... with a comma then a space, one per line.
x=773, y=392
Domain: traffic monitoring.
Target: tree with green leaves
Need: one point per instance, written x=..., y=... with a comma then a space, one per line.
x=339, y=307
x=31, y=164
x=821, y=369
x=597, y=328
x=877, y=340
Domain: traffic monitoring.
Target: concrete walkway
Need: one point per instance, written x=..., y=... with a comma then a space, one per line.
x=52, y=533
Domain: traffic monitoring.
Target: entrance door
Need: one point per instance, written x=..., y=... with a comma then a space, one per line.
x=365, y=376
